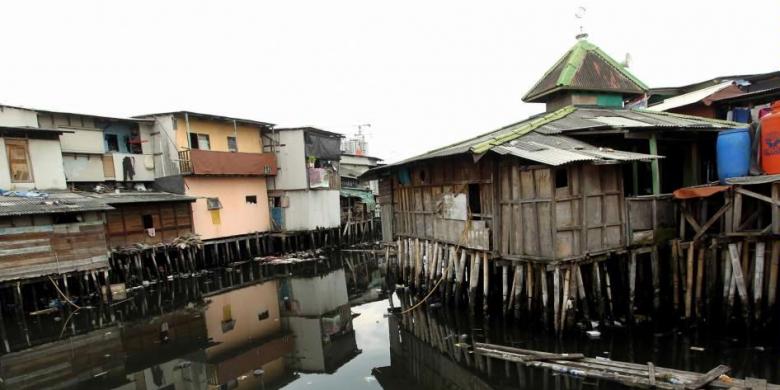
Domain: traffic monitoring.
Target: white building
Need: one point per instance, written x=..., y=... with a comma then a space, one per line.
x=304, y=195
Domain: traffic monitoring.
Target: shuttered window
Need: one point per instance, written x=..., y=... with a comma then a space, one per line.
x=18, y=161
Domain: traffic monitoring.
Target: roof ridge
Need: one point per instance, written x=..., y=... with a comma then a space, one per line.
x=619, y=67
x=523, y=129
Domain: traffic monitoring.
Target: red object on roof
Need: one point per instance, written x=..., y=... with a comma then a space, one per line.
x=698, y=192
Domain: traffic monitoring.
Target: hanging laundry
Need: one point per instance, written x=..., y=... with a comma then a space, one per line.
x=128, y=168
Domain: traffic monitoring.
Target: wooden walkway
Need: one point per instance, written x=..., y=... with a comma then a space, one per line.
x=629, y=374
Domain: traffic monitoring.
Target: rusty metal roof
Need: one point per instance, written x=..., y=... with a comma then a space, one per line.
x=588, y=68
x=53, y=203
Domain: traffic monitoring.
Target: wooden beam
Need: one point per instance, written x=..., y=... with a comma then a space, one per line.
x=710, y=376
x=712, y=220
x=757, y=196
x=655, y=165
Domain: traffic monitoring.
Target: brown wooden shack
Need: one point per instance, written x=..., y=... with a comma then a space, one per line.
x=579, y=183
x=146, y=217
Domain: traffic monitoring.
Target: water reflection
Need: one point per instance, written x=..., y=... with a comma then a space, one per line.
x=325, y=327
x=228, y=329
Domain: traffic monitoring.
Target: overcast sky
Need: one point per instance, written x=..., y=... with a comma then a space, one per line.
x=422, y=73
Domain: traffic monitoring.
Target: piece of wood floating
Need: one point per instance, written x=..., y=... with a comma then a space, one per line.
x=710, y=376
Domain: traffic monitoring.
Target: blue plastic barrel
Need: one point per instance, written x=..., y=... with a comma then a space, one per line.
x=733, y=152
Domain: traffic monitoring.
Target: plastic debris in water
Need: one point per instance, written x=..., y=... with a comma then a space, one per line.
x=697, y=349
x=593, y=334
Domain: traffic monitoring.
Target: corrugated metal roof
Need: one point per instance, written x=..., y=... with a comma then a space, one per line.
x=139, y=197
x=585, y=67
x=576, y=119
x=57, y=202
x=689, y=98
x=560, y=149
x=749, y=180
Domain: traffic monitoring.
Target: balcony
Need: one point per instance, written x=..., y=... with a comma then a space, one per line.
x=208, y=162
x=323, y=178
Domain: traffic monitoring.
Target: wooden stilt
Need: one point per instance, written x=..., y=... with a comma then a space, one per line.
x=631, y=284
x=739, y=278
x=556, y=296
x=758, y=279
x=655, y=270
x=581, y=292
x=675, y=275
x=774, y=266
x=505, y=287
x=485, y=281
x=608, y=285
x=597, y=290
x=529, y=285
x=699, y=282
x=689, y=280
x=565, y=301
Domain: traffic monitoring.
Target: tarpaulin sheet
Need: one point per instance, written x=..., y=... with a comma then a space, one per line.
x=365, y=196
x=322, y=146
x=698, y=192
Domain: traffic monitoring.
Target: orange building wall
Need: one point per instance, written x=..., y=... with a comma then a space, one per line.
x=236, y=216
x=248, y=138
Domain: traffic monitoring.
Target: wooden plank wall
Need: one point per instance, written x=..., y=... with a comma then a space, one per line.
x=34, y=246
x=415, y=205
x=530, y=198
x=125, y=224
x=385, y=201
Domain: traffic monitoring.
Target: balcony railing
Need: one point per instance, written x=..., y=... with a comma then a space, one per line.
x=208, y=162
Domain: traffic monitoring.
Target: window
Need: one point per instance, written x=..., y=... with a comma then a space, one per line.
x=112, y=142
x=18, y=160
x=475, y=205
x=67, y=218
x=561, y=178
x=228, y=323
x=213, y=204
x=175, y=123
x=199, y=141
x=251, y=199
x=148, y=221
x=231, y=143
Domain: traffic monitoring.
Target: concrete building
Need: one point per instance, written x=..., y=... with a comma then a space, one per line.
x=304, y=195
x=220, y=161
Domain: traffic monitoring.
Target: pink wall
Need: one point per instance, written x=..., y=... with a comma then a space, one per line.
x=237, y=216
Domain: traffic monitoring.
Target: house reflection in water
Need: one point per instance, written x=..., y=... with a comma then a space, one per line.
x=186, y=335
x=316, y=309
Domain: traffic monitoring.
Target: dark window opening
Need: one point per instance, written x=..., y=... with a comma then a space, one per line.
x=275, y=201
x=264, y=315
x=213, y=204
x=561, y=178
x=251, y=199
x=422, y=176
x=67, y=218
x=475, y=205
x=148, y=221
x=112, y=143
x=232, y=145
x=200, y=141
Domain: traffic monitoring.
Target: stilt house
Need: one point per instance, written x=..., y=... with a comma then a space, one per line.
x=583, y=179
